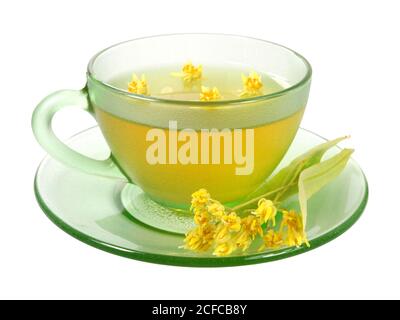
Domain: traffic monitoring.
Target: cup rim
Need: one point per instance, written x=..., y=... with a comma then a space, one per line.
x=193, y=103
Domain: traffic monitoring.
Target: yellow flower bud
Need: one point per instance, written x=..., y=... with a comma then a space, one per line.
x=252, y=85
x=138, y=86
x=209, y=94
x=190, y=73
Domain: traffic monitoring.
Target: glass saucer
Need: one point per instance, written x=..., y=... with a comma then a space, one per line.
x=90, y=209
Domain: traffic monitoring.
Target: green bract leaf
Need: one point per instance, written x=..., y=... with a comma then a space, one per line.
x=289, y=176
x=317, y=176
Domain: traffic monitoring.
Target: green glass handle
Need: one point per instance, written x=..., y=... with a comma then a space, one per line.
x=41, y=125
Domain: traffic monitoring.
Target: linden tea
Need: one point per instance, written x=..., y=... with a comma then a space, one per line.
x=170, y=160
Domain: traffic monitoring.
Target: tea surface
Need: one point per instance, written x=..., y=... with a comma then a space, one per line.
x=162, y=84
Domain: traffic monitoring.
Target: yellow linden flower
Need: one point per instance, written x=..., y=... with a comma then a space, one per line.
x=252, y=85
x=266, y=211
x=138, y=86
x=201, y=217
x=189, y=73
x=209, y=94
x=200, y=238
x=200, y=198
x=224, y=249
x=295, y=235
x=243, y=241
x=272, y=240
x=232, y=221
x=251, y=227
x=228, y=223
x=216, y=209
x=226, y=232
x=222, y=233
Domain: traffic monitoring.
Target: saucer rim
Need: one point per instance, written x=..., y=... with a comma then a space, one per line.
x=193, y=261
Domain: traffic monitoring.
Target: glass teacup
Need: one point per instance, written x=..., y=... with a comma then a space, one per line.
x=172, y=147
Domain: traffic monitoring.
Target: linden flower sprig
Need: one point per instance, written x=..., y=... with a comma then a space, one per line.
x=189, y=73
x=223, y=230
x=252, y=85
x=138, y=86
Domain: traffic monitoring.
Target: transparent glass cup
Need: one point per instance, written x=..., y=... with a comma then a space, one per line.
x=125, y=119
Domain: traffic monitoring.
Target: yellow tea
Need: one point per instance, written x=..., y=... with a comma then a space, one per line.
x=171, y=160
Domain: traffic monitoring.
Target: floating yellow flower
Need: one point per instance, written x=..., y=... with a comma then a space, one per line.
x=252, y=85
x=224, y=249
x=190, y=73
x=266, y=211
x=200, y=238
x=209, y=94
x=293, y=222
x=138, y=86
x=272, y=240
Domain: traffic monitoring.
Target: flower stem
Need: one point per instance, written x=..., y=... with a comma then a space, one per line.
x=251, y=201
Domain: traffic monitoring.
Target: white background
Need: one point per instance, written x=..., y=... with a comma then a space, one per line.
x=354, y=49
